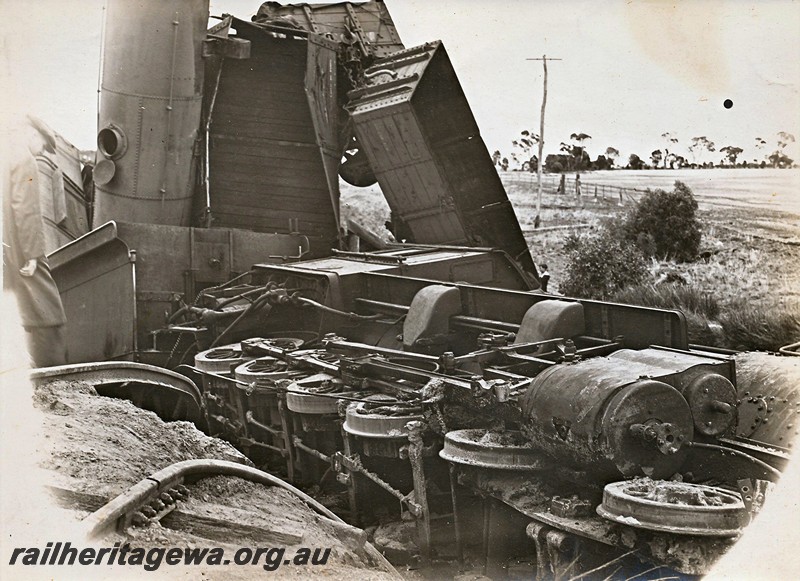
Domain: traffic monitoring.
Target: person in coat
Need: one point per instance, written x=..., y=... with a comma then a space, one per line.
x=25, y=268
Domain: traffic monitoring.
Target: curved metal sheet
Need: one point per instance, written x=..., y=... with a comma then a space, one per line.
x=115, y=372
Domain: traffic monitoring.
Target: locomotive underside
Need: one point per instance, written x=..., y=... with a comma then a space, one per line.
x=426, y=383
x=537, y=432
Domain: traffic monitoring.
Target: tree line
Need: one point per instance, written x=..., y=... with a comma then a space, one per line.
x=702, y=151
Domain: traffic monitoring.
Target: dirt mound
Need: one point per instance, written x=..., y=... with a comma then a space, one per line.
x=98, y=447
x=104, y=445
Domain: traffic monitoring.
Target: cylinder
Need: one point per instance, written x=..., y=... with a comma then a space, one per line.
x=150, y=110
x=601, y=422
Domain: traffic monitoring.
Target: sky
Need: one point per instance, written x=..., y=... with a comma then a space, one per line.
x=630, y=70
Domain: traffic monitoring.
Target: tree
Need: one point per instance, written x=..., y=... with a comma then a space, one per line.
x=670, y=140
x=700, y=144
x=524, y=147
x=656, y=157
x=532, y=165
x=779, y=157
x=612, y=153
x=784, y=139
x=602, y=162
x=731, y=153
x=556, y=163
x=760, y=143
x=579, y=138
x=678, y=160
x=496, y=156
x=664, y=224
x=635, y=162
x=780, y=160
x=576, y=159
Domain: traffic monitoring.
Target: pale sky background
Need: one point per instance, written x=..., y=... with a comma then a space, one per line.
x=631, y=70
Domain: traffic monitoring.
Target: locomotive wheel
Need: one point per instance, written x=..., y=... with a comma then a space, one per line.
x=507, y=450
x=674, y=507
x=259, y=346
x=220, y=359
x=262, y=371
x=361, y=421
x=300, y=397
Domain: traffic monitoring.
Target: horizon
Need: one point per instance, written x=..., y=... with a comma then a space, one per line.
x=631, y=71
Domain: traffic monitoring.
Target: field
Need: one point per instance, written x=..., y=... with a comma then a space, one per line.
x=751, y=225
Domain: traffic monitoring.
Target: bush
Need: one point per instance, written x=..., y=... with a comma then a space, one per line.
x=664, y=224
x=598, y=265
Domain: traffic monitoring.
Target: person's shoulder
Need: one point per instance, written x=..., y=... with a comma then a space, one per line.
x=21, y=160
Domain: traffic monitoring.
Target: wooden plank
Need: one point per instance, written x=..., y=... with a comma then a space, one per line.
x=256, y=129
x=75, y=500
x=264, y=112
x=267, y=224
x=234, y=201
x=264, y=186
x=282, y=215
x=231, y=181
x=265, y=95
x=255, y=161
x=237, y=203
x=202, y=524
x=262, y=97
x=265, y=209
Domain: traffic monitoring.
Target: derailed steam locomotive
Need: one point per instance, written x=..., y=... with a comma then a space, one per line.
x=430, y=375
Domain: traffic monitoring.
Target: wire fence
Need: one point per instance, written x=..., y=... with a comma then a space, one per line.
x=573, y=187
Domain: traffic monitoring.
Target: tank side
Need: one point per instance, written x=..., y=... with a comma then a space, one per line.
x=150, y=106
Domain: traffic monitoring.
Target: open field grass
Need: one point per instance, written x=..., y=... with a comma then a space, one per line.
x=768, y=189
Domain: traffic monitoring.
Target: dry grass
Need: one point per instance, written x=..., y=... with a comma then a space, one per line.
x=672, y=296
x=753, y=327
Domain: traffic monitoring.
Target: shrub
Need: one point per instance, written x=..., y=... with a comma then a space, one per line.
x=598, y=265
x=664, y=224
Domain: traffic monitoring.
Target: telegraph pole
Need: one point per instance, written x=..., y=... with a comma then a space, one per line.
x=537, y=220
